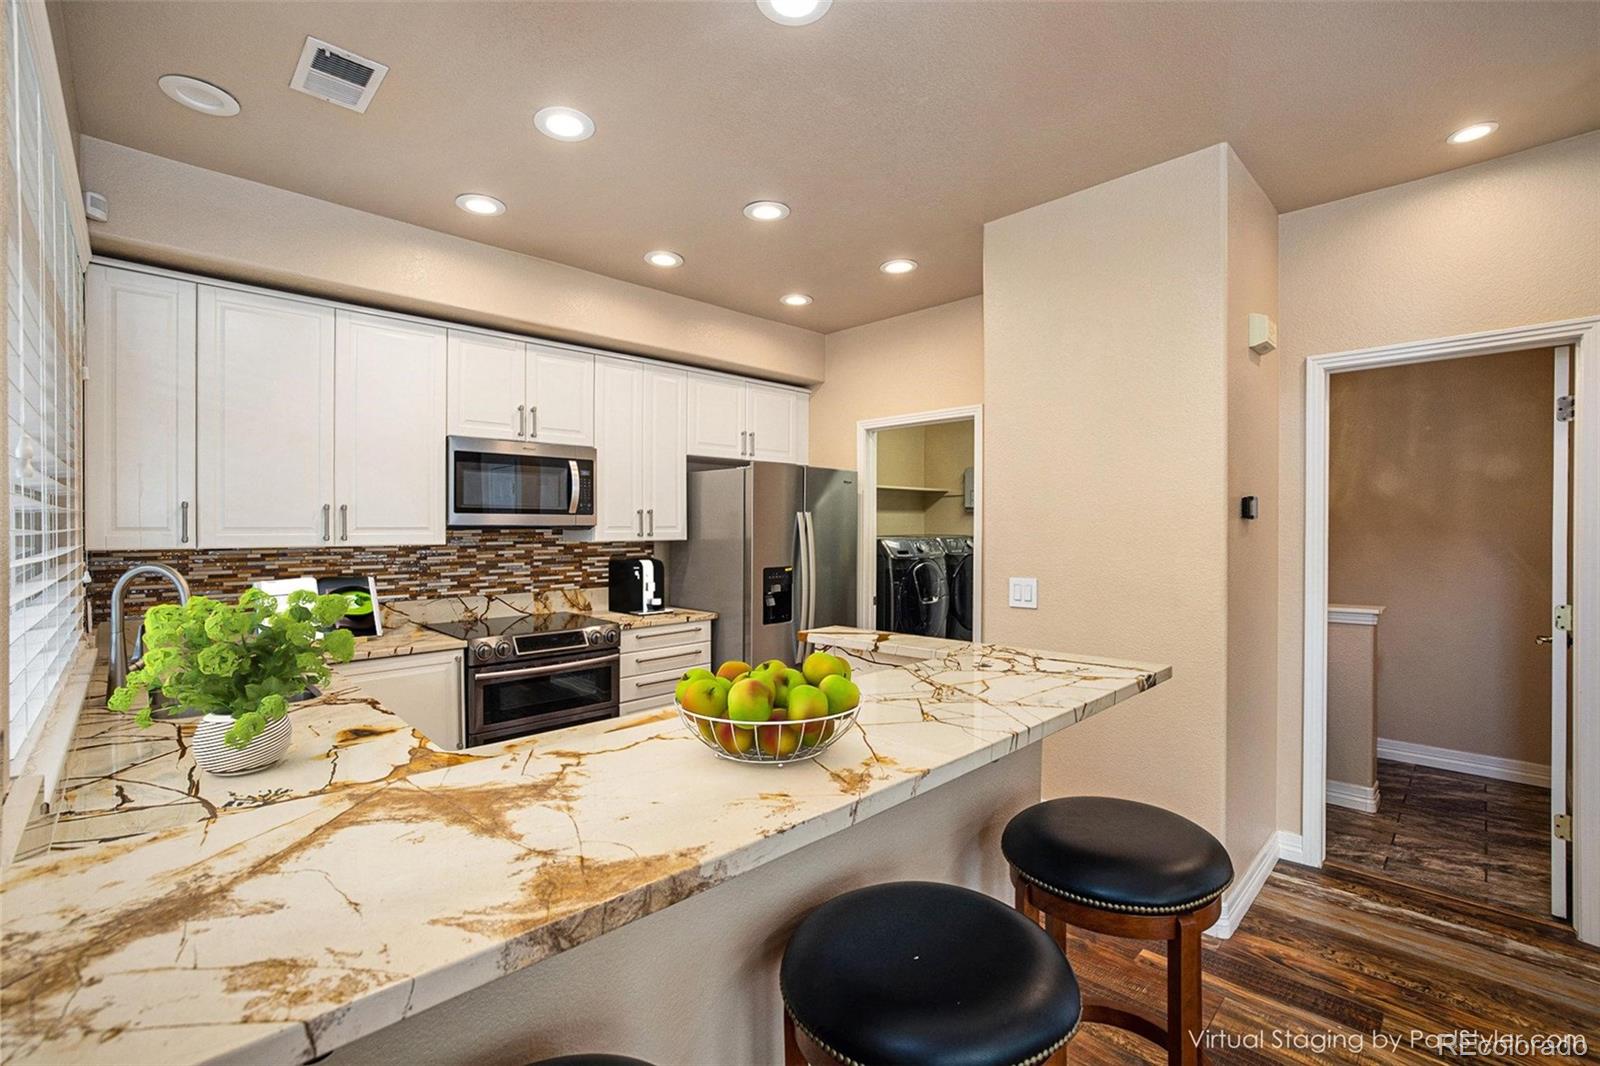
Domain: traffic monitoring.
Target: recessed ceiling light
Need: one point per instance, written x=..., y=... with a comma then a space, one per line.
x=564, y=123
x=199, y=95
x=1475, y=132
x=793, y=12
x=898, y=266
x=766, y=210
x=795, y=299
x=663, y=259
x=476, y=203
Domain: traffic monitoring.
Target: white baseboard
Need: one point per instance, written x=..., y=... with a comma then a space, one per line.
x=1246, y=885
x=1354, y=797
x=1291, y=847
x=1464, y=762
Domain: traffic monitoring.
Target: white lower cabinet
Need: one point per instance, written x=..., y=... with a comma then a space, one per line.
x=641, y=473
x=654, y=659
x=389, y=431
x=264, y=421
x=425, y=690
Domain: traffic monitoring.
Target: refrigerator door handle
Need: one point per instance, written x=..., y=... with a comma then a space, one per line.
x=802, y=578
x=811, y=570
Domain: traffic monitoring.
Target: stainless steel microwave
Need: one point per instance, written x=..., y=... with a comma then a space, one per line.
x=519, y=483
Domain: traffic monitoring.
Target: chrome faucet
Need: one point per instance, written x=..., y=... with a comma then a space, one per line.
x=119, y=653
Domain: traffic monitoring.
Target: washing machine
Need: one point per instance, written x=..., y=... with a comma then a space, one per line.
x=913, y=592
x=958, y=576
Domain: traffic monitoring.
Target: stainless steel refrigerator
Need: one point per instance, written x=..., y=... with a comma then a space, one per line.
x=771, y=549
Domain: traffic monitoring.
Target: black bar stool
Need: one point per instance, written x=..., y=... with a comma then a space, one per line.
x=918, y=972
x=1131, y=870
x=591, y=1060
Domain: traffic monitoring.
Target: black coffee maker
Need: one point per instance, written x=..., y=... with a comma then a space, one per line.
x=638, y=585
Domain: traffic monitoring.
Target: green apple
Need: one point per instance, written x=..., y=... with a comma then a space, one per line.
x=703, y=696
x=735, y=740
x=733, y=669
x=842, y=693
x=808, y=701
x=695, y=674
x=819, y=664
x=778, y=741
x=750, y=701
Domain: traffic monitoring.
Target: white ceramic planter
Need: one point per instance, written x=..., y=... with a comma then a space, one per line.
x=214, y=756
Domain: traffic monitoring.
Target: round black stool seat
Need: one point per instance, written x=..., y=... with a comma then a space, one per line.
x=1117, y=855
x=591, y=1060
x=918, y=972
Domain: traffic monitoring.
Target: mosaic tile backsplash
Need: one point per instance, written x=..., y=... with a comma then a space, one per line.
x=472, y=562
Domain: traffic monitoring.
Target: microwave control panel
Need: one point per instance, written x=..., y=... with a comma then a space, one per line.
x=586, y=488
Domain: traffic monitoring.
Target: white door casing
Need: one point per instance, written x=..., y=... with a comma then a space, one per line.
x=1561, y=457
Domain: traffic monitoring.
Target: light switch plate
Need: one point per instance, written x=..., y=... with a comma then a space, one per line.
x=1024, y=592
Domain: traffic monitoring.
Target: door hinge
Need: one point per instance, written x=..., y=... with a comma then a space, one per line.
x=1566, y=409
x=1563, y=619
x=1563, y=827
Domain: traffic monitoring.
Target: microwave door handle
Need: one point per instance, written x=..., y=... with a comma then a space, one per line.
x=572, y=495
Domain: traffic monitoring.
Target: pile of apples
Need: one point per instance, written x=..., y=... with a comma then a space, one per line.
x=768, y=707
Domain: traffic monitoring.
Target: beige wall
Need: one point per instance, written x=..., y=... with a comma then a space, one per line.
x=1252, y=393
x=924, y=361
x=182, y=216
x=1352, y=704
x=1106, y=464
x=1439, y=509
x=1511, y=242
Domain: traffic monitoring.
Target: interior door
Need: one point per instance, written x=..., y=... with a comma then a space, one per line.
x=619, y=510
x=487, y=386
x=264, y=420
x=390, y=428
x=1559, y=639
x=139, y=411
x=560, y=396
x=664, y=459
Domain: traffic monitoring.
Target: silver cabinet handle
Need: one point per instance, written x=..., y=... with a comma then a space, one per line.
x=183, y=532
x=327, y=521
x=639, y=517
x=533, y=416
x=652, y=514
x=744, y=442
x=666, y=655
x=752, y=444
x=344, y=521
x=522, y=420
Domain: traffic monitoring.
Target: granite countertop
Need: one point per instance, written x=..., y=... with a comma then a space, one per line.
x=180, y=917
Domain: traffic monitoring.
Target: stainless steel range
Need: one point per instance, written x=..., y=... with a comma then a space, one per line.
x=531, y=673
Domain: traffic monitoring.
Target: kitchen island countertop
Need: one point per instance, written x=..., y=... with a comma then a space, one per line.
x=275, y=917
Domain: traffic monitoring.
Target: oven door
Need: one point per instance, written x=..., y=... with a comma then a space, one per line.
x=516, y=699
x=514, y=483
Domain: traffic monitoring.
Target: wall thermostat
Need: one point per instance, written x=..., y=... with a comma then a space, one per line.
x=1263, y=334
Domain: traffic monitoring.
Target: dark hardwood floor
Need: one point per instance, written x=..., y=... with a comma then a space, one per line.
x=1326, y=958
x=1456, y=833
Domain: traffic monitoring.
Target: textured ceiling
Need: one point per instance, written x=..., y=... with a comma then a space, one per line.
x=892, y=129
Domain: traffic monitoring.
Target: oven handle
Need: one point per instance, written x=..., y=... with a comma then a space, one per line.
x=481, y=677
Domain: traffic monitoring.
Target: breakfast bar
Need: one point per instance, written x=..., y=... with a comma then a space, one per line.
x=375, y=896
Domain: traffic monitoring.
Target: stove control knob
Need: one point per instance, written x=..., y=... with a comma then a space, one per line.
x=482, y=652
x=611, y=636
x=592, y=636
x=502, y=650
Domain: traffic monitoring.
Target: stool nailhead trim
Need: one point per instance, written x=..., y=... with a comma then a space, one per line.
x=1177, y=908
x=1031, y=1060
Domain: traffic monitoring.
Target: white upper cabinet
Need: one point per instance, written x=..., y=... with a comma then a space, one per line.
x=665, y=459
x=264, y=420
x=716, y=426
x=139, y=411
x=777, y=422
x=619, y=476
x=488, y=386
x=560, y=396
x=389, y=431
x=734, y=419
x=511, y=390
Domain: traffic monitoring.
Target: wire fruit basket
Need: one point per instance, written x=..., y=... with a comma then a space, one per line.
x=775, y=743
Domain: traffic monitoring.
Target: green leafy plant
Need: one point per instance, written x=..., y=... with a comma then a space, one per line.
x=246, y=659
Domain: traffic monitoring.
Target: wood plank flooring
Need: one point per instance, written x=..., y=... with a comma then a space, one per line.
x=1325, y=958
x=1456, y=833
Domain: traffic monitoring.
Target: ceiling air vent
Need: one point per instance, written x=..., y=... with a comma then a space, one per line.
x=337, y=76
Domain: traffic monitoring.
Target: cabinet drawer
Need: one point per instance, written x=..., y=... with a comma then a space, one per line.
x=645, y=705
x=645, y=637
x=657, y=686
x=660, y=660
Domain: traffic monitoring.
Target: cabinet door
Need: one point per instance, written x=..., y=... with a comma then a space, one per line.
x=488, y=383
x=426, y=691
x=264, y=420
x=716, y=419
x=664, y=459
x=776, y=421
x=560, y=396
x=619, y=490
x=389, y=428
x=139, y=411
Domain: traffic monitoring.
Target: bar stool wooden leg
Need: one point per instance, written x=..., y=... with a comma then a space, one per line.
x=791, y=1048
x=1183, y=993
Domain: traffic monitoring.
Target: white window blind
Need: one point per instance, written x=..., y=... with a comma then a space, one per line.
x=44, y=355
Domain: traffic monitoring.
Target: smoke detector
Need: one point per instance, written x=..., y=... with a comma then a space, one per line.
x=336, y=75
